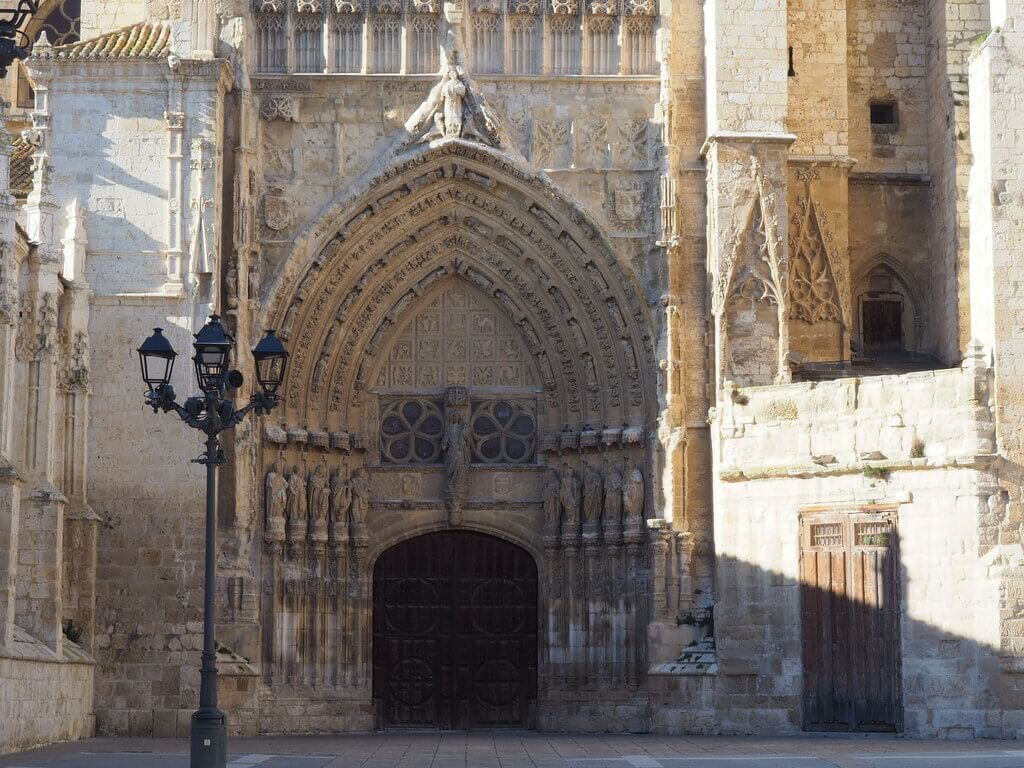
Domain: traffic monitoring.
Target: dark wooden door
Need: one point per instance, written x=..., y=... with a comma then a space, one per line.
x=849, y=593
x=883, y=326
x=455, y=633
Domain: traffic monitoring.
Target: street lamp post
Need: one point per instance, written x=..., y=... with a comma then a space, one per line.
x=211, y=414
x=14, y=43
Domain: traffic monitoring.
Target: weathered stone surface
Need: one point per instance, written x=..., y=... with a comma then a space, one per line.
x=599, y=279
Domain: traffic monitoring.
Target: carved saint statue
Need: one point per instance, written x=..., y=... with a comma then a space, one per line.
x=360, y=499
x=341, y=500
x=231, y=285
x=613, y=503
x=591, y=495
x=552, y=508
x=319, y=503
x=276, y=489
x=570, y=498
x=456, y=458
x=633, y=493
x=453, y=92
x=296, y=505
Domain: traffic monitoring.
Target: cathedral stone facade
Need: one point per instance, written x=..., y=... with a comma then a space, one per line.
x=654, y=366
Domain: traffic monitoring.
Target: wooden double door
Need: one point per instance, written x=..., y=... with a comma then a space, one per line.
x=455, y=633
x=850, y=614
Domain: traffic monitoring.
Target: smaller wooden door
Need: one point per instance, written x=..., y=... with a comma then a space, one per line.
x=883, y=326
x=850, y=614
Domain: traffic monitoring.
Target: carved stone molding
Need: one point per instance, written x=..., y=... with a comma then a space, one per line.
x=309, y=6
x=279, y=108
x=641, y=8
x=564, y=7
x=348, y=6
x=603, y=7
x=269, y=6
x=531, y=7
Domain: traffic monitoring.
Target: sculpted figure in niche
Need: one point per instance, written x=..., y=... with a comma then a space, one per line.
x=552, y=508
x=456, y=458
x=591, y=496
x=360, y=500
x=319, y=503
x=276, y=489
x=296, y=506
x=633, y=493
x=613, y=503
x=341, y=503
x=453, y=92
x=570, y=498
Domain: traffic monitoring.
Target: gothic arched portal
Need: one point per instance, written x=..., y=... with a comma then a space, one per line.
x=467, y=352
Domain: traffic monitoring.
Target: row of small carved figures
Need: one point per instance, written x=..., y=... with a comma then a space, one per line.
x=298, y=505
x=593, y=501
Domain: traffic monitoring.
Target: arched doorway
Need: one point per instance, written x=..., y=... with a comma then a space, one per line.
x=455, y=633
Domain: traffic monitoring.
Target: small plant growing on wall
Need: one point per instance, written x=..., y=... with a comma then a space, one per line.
x=72, y=632
x=917, y=449
x=876, y=473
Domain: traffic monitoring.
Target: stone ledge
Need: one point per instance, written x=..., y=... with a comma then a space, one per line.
x=27, y=648
x=807, y=471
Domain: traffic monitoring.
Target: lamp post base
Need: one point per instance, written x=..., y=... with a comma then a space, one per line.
x=209, y=738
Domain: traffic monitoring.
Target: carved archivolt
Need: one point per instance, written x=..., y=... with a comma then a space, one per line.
x=460, y=212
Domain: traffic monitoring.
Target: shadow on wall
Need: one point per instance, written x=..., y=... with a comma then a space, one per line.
x=838, y=649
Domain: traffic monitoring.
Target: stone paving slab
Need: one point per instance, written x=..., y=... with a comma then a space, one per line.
x=534, y=750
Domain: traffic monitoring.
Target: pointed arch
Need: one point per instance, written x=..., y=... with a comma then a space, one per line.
x=462, y=209
x=902, y=287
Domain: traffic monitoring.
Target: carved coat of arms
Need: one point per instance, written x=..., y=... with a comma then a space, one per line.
x=628, y=202
x=277, y=212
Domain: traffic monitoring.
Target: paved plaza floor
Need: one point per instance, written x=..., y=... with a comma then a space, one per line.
x=534, y=750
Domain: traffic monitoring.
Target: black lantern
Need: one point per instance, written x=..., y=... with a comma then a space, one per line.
x=213, y=353
x=156, y=356
x=271, y=359
x=14, y=43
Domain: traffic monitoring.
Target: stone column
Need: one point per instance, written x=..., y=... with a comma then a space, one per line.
x=997, y=314
x=41, y=542
x=10, y=481
x=80, y=522
x=745, y=153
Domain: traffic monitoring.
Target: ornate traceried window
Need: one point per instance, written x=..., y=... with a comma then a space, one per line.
x=271, y=42
x=638, y=56
x=411, y=431
x=602, y=46
x=424, y=54
x=63, y=24
x=385, y=43
x=524, y=45
x=347, y=42
x=309, y=42
x=565, y=45
x=503, y=432
x=488, y=56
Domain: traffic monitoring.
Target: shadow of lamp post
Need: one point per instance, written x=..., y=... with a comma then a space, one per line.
x=211, y=414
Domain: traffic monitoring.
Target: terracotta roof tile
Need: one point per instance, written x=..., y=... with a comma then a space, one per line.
x=144, y=40
x=21, y=167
